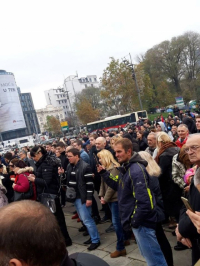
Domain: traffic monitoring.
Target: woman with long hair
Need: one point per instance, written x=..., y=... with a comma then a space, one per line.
x=108, y=195
x=47, y=180
x=142, y=141
x=154, y=172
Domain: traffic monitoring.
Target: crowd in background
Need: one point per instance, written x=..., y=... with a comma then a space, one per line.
x=165, y=149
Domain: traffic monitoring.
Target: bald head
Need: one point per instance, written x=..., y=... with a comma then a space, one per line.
x=100, y=143
x=27, y=230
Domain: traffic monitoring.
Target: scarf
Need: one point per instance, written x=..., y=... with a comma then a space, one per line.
x=163, y=148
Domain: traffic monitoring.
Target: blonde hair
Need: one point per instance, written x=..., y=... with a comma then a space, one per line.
x=107, y=159
x=152, y=168
x=114, y=139
x=163, y=137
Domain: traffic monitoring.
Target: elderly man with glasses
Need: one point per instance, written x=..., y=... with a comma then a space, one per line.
x=186, y=232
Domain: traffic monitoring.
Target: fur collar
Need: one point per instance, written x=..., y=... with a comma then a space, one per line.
x=24, y=170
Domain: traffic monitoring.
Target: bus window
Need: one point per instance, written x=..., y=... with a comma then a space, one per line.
x=142, y=114
x=107, y=124
x=133, y=118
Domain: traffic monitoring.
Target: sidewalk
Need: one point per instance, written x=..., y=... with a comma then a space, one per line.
x=108, y=243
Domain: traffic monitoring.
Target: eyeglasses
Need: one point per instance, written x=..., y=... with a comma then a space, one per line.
x=192, y=148
x=11, y=165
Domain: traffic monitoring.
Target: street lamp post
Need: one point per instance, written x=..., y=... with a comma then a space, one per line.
x=131, y=66
x=67, y=93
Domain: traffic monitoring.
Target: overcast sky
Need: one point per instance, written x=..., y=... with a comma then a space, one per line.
x=42, y=42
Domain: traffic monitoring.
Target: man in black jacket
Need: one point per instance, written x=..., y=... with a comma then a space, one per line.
x=64, y=163
x=80, y=183
x=186, y=232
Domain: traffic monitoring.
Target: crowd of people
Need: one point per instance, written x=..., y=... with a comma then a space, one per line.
x=139, y=173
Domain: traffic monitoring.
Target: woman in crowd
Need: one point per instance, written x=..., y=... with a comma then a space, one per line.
x=142, y=141
x=21, y=183
x=154, y=172
x=180, y=164
x=166, y=149
x=47, y=181
x=108, y=195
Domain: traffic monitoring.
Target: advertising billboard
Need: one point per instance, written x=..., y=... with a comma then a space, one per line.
x=11, y=115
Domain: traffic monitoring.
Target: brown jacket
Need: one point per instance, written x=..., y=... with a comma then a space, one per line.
x=109, y=194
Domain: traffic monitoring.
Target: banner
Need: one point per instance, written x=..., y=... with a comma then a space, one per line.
x=179, y=101
x=11, y=115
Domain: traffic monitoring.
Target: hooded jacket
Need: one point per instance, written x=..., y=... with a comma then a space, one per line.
x=162, y=126
x=135, y=199
x=21, y=180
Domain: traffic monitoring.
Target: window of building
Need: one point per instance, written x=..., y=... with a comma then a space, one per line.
x=95, y=79
x=58, y=96
x=90, y=80
x=63, y=107
x=85, y=85
x=92, y=85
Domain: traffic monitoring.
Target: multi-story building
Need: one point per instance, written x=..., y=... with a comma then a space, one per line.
x=32, y=125
x=50, y=110
x=57, y=98
x=17, y=113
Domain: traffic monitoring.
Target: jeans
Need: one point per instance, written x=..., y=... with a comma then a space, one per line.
x=148, y=246
x=84, y=214
x=117, y=224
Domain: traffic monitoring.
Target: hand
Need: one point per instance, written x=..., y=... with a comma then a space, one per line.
x=186, y=189
x=102, y=201
x=31, y=178
x=195, y=218
x=88, y=203
x=100, y=168
x=180, y=238
x=13, y=179
x=13, y=185
x=60, y=170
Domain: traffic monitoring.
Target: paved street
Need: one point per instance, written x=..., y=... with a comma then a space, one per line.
x=108, y=243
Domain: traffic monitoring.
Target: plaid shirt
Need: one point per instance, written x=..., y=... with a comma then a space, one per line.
x=178, y=172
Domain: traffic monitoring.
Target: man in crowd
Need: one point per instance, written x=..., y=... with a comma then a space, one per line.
x=176, y=111
x=151, y=139
x=84, y=156
x=160, y=126
x=182, y=134
x=64, y=162
x=198, y=123
x=53, y=149
x=28, y=161
x=19, y=223
x=80, y=178
x=186, y=232
x=173, y=133
x=48, y=148
x=136, y=201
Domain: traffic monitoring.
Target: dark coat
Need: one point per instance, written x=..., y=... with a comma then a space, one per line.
x=142, y=144
x=135, y=199
x=47, y=178
x=133, y=140
x=170, y=191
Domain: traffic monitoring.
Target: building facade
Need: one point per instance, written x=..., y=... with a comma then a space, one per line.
x=32, y=125
x=50, y=110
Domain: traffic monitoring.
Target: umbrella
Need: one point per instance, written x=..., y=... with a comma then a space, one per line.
x=169, y=110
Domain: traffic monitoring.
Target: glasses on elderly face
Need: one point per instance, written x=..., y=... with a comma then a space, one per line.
x=192, y=148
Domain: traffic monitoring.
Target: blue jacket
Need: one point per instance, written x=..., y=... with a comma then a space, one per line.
x=84, y=156
x=135, y=199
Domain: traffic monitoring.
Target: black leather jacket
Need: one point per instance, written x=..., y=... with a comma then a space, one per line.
x=84, y=179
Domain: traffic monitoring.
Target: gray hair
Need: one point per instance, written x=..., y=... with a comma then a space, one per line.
x=23, y=151
x=183, y=125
